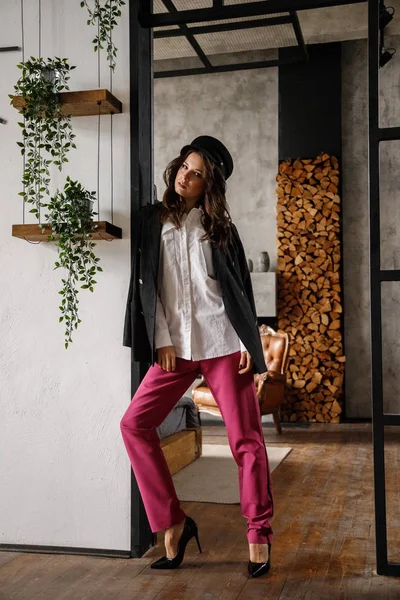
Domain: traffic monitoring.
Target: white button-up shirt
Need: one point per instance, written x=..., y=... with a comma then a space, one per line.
x=190, y=311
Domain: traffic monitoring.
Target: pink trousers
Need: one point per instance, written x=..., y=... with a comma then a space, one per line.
x=236, y=397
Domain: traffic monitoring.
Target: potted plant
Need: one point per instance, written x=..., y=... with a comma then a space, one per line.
x=105, y=19
x=71, y=218
x=46, y=131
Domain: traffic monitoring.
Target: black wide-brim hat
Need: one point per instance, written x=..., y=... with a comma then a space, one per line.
x=215, y=150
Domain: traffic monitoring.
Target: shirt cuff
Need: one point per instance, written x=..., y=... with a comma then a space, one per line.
x=242, y=347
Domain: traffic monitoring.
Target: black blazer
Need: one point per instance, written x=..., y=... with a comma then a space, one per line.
x=230, y=269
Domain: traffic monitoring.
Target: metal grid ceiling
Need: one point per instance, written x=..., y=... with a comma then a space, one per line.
x=243, y=57
x=159, y=6
x=194, y=62
x=236, y=46
x=257, y=38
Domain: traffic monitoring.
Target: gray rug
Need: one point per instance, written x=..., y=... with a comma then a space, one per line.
x=214, y=476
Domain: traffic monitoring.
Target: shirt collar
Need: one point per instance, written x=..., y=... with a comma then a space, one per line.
x=195, y=213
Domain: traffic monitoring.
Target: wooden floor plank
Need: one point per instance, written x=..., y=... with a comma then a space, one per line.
x=19, y=573
x=323, y=549
x=115, y=580
x=6, y=557
x=71, y=580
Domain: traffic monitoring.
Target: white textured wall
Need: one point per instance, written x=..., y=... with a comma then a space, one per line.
x=241, y=109
x=65, y=476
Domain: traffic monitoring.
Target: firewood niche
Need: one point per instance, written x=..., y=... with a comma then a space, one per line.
x=309, y=303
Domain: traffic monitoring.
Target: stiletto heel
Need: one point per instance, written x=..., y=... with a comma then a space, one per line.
x=189, y=530
x=256, y=569
x=198, y=543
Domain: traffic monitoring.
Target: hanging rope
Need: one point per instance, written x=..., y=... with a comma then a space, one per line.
x=98, y=162
x=111, y=140
x=98, y=118
x=106, y=239
x=29, y=241
x=111, y=71
x=98, y=38
x=112, y=168
x=23, y=60
x=22, y=31
x=40, y=55
x=40, y=28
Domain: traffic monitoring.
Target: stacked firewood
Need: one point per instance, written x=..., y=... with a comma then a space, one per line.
x=309, y=288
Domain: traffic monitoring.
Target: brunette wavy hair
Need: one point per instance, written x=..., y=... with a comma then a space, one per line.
x=215, y=219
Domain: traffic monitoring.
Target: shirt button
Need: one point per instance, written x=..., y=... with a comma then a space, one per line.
x=141, y=281
x=142, y=313
x=242, y=292
x=139, y=249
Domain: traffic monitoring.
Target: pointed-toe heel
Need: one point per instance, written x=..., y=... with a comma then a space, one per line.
x=256, y=569
x=189, y=530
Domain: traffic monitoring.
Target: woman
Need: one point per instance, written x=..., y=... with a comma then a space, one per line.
x=191, y=309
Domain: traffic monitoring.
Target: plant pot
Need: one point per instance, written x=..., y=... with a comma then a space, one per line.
x=86, y=205
x=48, y=75
x=89, y=205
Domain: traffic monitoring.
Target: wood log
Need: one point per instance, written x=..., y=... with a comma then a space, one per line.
x=309, y=291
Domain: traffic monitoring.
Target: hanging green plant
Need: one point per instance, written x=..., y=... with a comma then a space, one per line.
x=71, y=218
x=105, y=19
x=47, y=133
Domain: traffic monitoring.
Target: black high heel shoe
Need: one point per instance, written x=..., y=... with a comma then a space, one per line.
x=256, y=569
x=189, y=530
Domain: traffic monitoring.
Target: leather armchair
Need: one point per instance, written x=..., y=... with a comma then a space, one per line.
x=271, y=392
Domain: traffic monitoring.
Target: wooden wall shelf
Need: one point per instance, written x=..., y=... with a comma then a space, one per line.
x=33, y=232
x=84, y=103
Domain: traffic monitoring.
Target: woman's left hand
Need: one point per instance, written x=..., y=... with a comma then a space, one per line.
x=246, y=363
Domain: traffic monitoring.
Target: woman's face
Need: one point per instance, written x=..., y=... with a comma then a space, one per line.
x=190, y=178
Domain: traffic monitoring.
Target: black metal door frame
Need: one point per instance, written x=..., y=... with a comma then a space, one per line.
x=380, y=419
x=141, y=165
x=141, y=130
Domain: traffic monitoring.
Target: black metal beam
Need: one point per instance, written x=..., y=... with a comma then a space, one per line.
x=232, y=26
x=298, y=32
x=391, y=419
x=189, y=36
x=379, y=419
x=392, y=570
x=10, y=48
x=375, y=287
x=226, y=68
x=390, y=274
x=141, y=165
x=237, y=11
x=387, y=134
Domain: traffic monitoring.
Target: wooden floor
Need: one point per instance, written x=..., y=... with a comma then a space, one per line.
x=323, y=547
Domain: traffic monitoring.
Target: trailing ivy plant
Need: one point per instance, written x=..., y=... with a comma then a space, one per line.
x=71, y=218
x=47, y=133
x=105, y=18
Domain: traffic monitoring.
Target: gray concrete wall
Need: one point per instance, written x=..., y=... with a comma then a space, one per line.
x=241, y=109
x=356, y=229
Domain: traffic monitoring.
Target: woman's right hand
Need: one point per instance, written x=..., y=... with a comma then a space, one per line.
x=166, y=358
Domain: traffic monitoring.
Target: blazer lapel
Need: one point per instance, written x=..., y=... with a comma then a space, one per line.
x=152, y=235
